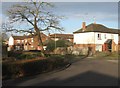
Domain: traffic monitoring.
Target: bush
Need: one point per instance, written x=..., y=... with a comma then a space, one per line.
x=60, y=43
x=50, y=45
x=27, y=56
x=31, y=67
x=11, y=70
x=20, y=55
x=14, y=54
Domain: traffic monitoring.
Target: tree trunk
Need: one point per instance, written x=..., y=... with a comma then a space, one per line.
x=41, y=44
x=40, y=40
x=39, y=36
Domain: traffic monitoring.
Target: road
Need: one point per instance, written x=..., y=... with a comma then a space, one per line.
x=86, y=72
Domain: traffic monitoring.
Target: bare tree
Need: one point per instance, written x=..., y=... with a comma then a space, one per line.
x=37, y=15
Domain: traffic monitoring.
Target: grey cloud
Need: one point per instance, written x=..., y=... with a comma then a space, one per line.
x=105, y=11
x=101, y=10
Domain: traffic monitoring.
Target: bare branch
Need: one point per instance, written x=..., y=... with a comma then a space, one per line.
x=23, y=16
x=36, y=14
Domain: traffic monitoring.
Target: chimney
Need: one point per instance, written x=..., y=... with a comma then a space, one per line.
x=83, y=25
x=49, y=34
x=94, y=20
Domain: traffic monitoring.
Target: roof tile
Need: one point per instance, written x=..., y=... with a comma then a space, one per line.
x=97, y=28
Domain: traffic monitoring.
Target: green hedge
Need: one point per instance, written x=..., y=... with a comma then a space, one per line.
x=18, y=68
x=20, y=55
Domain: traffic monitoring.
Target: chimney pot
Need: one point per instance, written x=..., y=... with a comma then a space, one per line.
x=48, y=34
x=83, y=25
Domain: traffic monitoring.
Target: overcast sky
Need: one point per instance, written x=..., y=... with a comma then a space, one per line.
x=105, y=13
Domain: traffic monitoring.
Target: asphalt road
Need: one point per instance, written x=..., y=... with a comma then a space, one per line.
x=86, y=72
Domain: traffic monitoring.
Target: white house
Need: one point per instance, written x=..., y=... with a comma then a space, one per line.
x=96, y=36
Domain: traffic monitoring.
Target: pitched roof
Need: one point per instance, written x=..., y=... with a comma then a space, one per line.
x=97, y=28
x=29, y=36
x=68, y=36
x=19, y=37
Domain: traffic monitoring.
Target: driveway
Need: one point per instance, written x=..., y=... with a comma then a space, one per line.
x=86, y=72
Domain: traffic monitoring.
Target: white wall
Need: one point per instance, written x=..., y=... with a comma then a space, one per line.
x=84, y=38
x=119, y=38
x=103, y=39
x=92, y=38
x=11, y=41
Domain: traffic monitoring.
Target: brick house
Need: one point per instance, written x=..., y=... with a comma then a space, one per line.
x=119, y=43
x=62, y=36
x=29, y=42
x=97, y=37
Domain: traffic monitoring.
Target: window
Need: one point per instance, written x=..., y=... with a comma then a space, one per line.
x=25, y=40
x=68, y=39
x=99, y=36
x=22, y=41
x=18, y=41
x=17, y=47
x=98, y=47
x=105, y=36
x=112, y=36
x=32, y=40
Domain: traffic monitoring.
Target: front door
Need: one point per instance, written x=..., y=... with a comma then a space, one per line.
x=108, y=45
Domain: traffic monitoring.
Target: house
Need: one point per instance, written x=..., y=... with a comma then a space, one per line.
x=26, y=42
x=96, y=37
x=62, y=36
x=119, y=43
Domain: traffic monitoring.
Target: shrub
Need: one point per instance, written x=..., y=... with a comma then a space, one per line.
x=20, y=55
x=60, y=43
x=26, y=56
x=14, y=54
x=11, y=70
x=50, y=45
x=33, y=66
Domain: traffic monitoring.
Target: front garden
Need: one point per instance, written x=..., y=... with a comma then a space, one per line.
x=107, y=55
x=22, y=64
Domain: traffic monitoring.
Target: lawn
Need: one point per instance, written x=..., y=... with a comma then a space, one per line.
x=107, y=55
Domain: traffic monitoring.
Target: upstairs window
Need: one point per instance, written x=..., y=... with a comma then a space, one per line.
x=25, y=40
x=18, y=41
x=112, y=36
x=22, y=41
x=99, y=36
x=105, y=36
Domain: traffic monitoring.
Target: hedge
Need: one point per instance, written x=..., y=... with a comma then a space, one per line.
x=19, y=55
x=31, y=67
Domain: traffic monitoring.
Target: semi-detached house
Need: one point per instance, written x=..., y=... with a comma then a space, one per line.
x=26, y=42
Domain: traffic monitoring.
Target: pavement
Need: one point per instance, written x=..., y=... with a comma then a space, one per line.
x=114, y=61
x=85, y=72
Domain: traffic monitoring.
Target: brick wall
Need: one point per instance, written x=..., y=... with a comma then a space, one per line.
x=86, y=46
